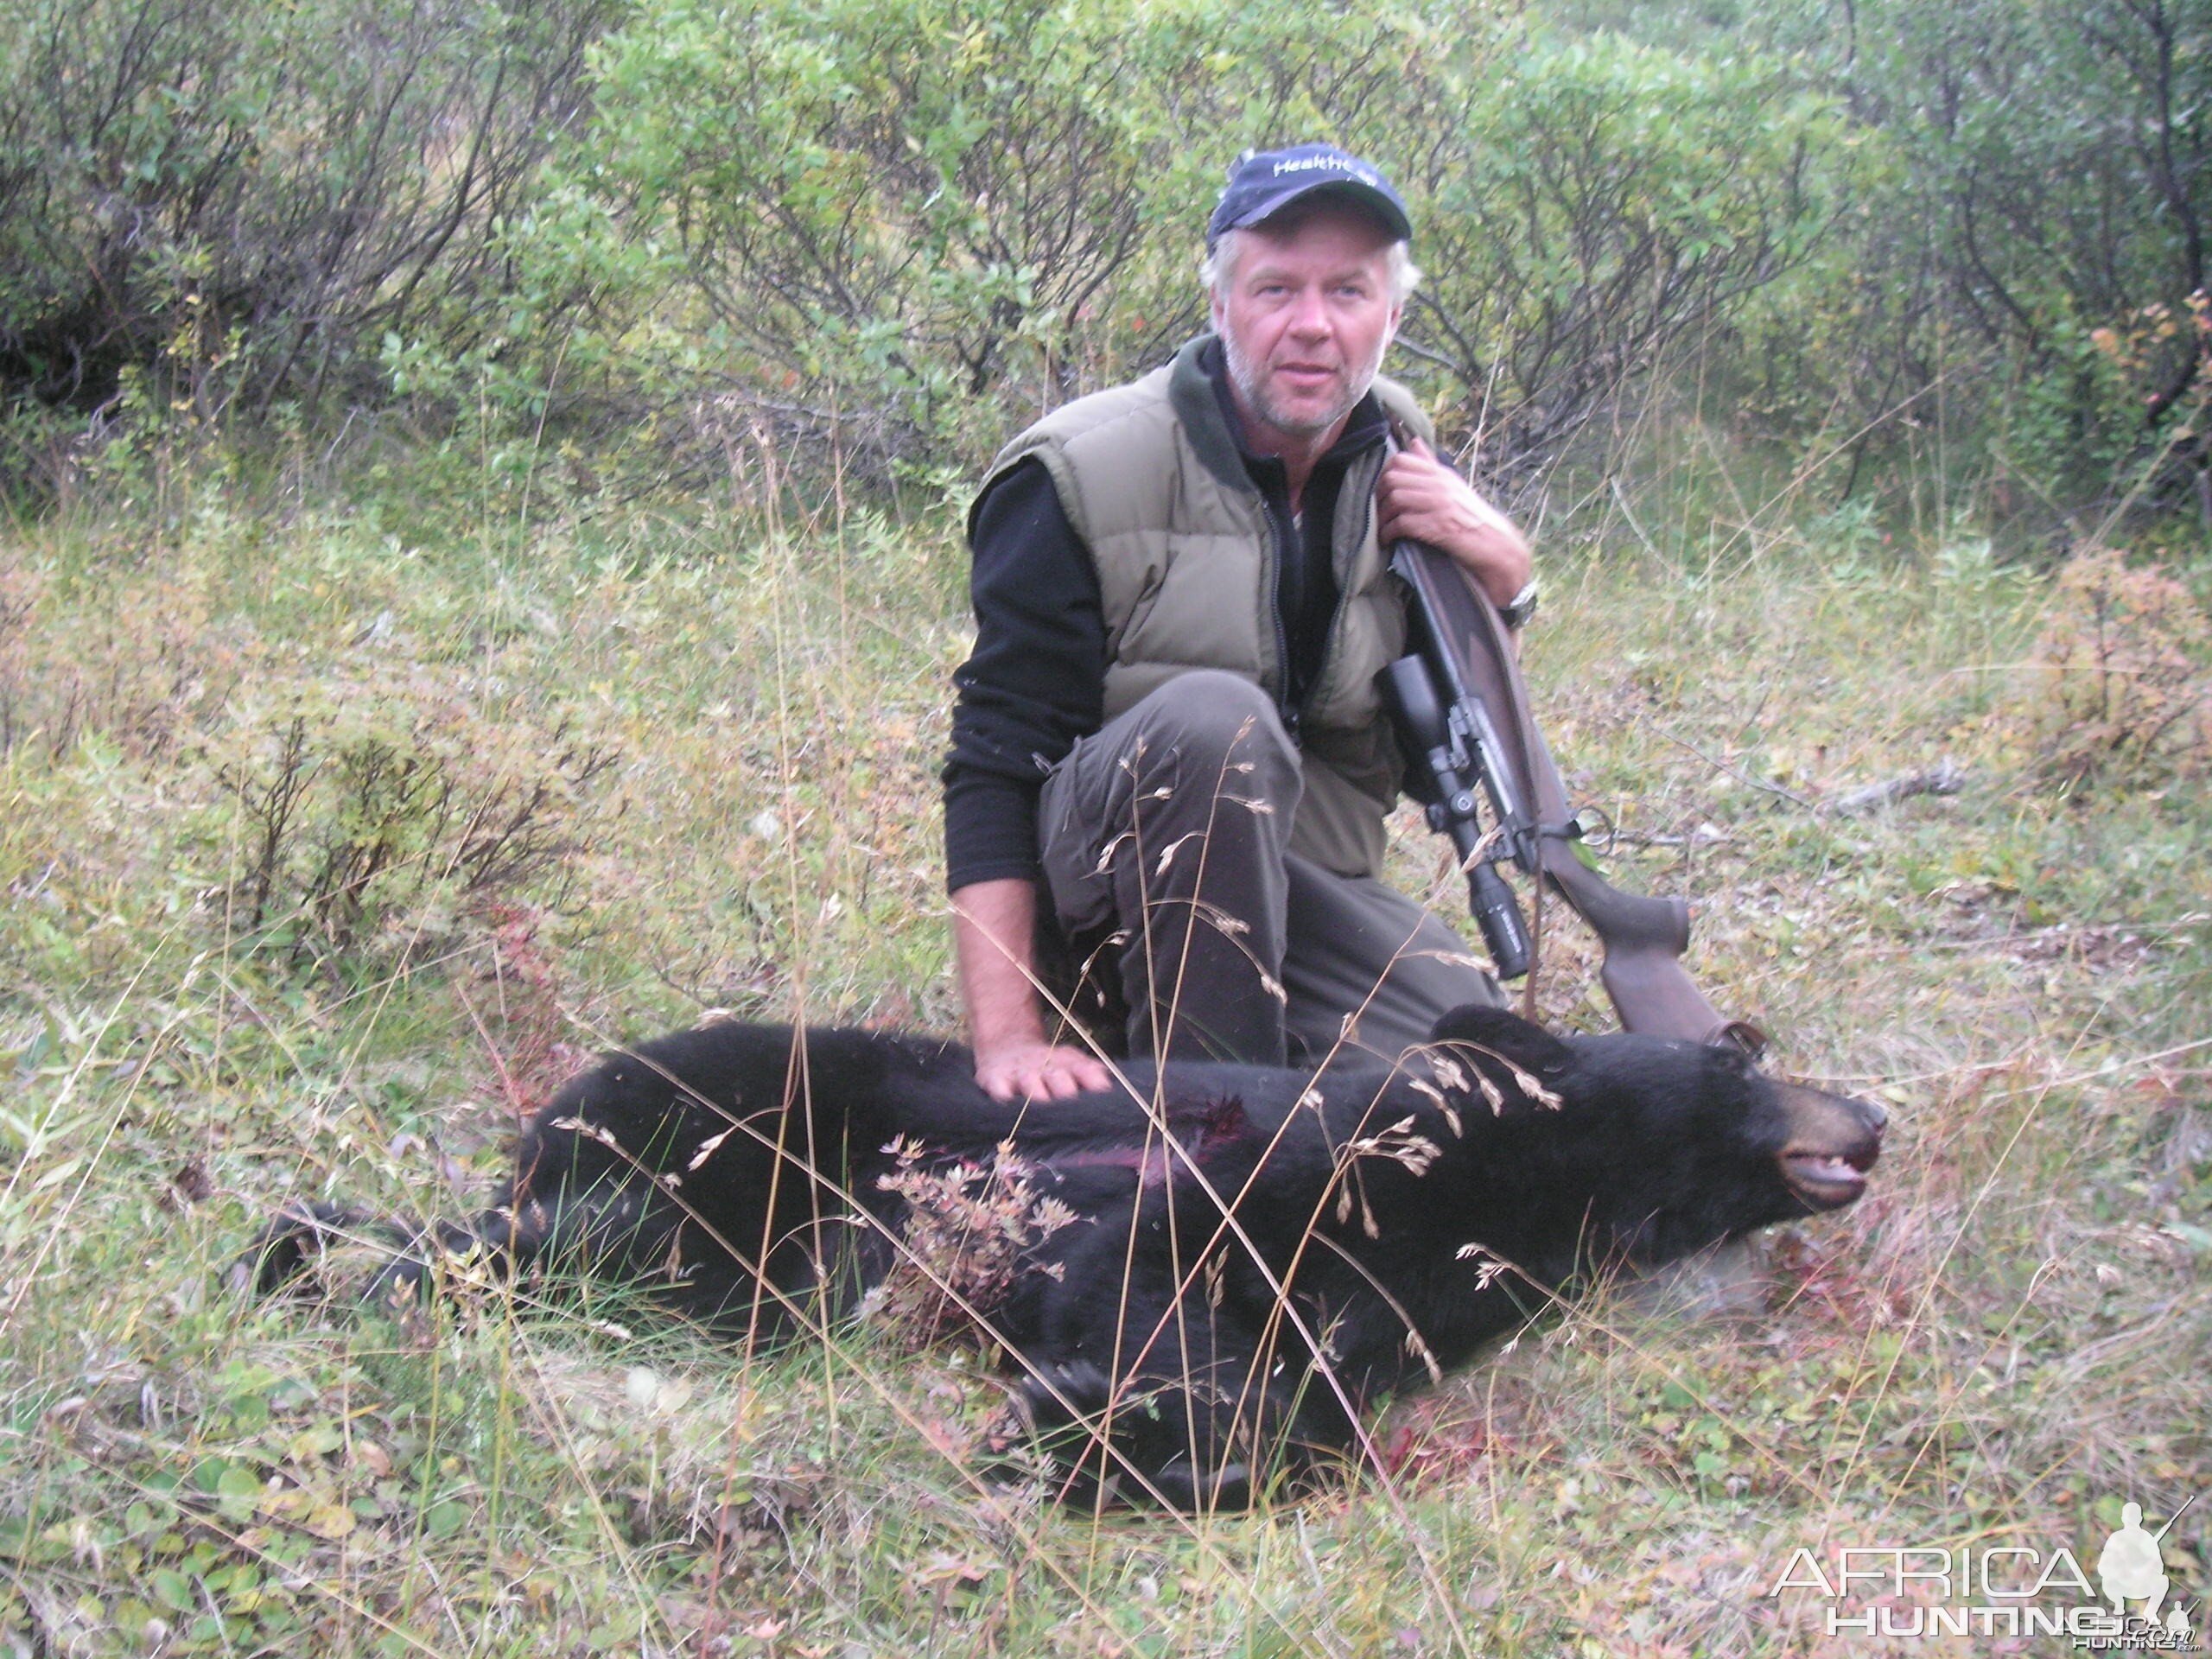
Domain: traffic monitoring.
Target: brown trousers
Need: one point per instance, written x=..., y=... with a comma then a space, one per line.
x=1166, y=846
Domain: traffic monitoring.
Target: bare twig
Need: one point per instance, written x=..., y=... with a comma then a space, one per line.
x=1946, y=776
x=1739, y=775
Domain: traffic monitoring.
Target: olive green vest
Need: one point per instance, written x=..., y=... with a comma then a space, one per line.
x=1151, y=479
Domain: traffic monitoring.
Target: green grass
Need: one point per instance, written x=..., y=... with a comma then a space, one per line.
x=2000, y=1344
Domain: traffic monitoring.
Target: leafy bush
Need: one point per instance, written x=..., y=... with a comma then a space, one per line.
x=910, y=228
x=370, y=822
x=877, y=238
x=884, y=215
x=1584, y=204
x=2052, y=180
x=140, y=666
x=2121, y=694
x=971, y=1234
x=243, y=201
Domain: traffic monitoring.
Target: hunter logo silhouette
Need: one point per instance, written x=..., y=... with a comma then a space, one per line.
x=2131, y=1568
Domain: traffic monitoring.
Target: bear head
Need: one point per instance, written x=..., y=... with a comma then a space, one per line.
x=1663, y=1146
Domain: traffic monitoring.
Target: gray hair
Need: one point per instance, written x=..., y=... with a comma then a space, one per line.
x=1217, y=266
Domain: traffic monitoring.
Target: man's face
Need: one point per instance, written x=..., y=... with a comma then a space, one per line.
x=1305, y=314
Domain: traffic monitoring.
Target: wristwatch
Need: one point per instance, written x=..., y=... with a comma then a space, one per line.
x=1521, y=608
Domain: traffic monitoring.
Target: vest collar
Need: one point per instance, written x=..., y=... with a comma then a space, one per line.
x=1198, y=389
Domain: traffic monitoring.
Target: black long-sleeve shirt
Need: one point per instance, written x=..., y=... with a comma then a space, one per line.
x=1035, y=682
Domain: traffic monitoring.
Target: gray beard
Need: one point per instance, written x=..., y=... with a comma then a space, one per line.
x=1251, y=391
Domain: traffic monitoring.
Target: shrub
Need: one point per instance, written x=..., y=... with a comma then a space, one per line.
x=885, y=213
x=2053, y=169
x=968, y=1237
x=139, y=666
x=909, y=228
x=1583, y=205
x=244, y=200
x=370, y=821
x=2120, y=687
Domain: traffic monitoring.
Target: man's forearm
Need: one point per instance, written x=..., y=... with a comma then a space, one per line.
x=995, y=934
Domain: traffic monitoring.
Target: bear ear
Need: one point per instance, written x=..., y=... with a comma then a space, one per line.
x=1507, y=1035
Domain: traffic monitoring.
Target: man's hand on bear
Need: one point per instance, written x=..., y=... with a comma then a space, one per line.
x=1036, y=1070
x=993, y=925
x=1418, y=497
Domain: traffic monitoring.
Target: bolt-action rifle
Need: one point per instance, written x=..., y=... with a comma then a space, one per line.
x=1461, y=709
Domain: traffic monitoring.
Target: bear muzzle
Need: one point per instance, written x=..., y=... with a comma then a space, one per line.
x=1832, y=1144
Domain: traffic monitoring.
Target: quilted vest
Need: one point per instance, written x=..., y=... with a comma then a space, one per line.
x=1151, y=479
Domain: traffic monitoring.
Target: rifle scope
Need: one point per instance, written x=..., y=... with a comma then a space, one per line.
x=1445, y=758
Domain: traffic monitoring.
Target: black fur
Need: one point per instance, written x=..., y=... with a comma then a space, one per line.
x=1256, y=1258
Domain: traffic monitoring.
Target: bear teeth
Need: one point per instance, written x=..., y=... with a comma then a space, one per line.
x=1830, y=1175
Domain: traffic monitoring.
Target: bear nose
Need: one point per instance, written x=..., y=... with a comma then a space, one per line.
x=1871, y=1113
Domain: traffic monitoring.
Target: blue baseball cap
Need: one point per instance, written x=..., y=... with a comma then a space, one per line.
x=1262, y=183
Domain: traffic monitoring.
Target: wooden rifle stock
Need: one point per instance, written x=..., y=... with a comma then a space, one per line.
x=1461, y=636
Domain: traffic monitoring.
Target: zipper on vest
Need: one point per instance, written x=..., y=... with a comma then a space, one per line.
x=1332, y=642
x=1283, y=706
x=1334, y=638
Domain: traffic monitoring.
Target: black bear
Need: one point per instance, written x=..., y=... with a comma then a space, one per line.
x=1237, y=1262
